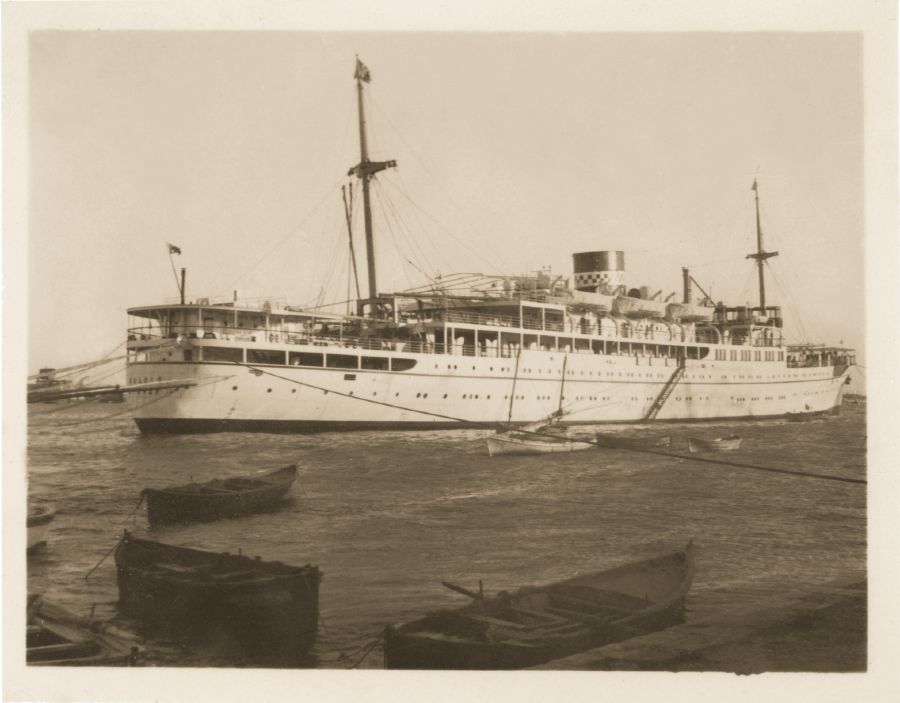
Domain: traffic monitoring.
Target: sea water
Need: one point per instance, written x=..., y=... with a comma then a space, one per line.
x=387, y=516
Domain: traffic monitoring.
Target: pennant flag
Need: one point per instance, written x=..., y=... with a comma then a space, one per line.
x=753, y=187
x=173, y=249
x=362, y=73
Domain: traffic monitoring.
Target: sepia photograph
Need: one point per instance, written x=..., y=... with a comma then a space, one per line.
x=405, y=344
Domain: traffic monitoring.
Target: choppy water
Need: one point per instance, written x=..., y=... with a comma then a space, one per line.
x=388, y=515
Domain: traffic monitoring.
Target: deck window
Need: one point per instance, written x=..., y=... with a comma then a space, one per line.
x=402, y=364
x=231, y=354
x=377, y=363
x=305, y=359
x=265, y=356
x=342, y=361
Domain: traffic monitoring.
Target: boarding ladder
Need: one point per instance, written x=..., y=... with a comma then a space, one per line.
x=666, y=391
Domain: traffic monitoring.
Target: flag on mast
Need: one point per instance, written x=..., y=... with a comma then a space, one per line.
x=173, y=249
x=362, y=73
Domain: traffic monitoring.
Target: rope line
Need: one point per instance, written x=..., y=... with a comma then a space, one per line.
x=722, y=462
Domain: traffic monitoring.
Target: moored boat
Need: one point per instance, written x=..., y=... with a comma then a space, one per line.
x=720, y=444
x=537, y=624
x=604, y=439
x=266, y=606
x=533, y=443
x=37, y=522
x=56, y=637
x=219, y=498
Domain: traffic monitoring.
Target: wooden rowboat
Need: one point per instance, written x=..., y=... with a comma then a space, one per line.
x=533, y=443
x=56, y=637
x=37, y=524
x=219, y=498
x=721, y=444
x=269, y=607
x=535, y=625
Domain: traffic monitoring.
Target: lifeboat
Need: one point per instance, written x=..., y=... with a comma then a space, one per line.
x=638, y=307
x=583, y=300
x=685, y=312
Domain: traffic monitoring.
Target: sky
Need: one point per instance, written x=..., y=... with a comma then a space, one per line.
x=514, y=151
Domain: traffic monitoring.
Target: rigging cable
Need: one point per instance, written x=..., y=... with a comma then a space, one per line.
x=484, y=240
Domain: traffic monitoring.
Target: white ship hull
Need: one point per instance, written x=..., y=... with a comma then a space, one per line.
x=444, y=390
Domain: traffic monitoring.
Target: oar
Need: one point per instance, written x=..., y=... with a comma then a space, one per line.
x=465, y=591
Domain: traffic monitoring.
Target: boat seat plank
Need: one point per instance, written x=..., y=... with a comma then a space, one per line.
x=67, y=650
x=497, y=622
x=542, y=614
x=586, y=617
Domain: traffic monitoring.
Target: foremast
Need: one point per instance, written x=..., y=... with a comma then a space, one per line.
x=364, y=170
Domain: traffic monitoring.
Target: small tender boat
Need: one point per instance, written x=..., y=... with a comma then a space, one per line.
x=268, y=606
x=219, y=498
x=533, y=443
x=537, y=624
x=720, y=444
x=56, y=637
x=37, y=524
x=608, y=440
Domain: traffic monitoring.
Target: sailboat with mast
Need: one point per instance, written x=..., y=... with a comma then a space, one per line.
x=546, y=436
x=473, y=350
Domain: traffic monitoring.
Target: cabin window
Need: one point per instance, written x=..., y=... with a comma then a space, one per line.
x=265, y=356
x=342, y=361
x=305, y=359
x=188, y=355
x=378, y=363
x=223, y=354
x=702, y=352
x=402, y=364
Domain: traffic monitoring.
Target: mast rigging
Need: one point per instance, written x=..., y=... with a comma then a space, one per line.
x=364, y=170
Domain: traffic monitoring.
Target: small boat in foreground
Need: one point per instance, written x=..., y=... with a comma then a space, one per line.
x=268, y=606
x=37, y=524
x=56, y=637
x=219, y=498
x=720, y=444
x=537, y=624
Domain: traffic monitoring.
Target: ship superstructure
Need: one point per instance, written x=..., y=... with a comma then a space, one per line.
x=472, y=349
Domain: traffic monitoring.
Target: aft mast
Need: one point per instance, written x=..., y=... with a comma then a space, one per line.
x=761, y=255
x=364, y=170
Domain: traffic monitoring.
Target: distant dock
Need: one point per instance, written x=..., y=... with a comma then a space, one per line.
x=777, y=627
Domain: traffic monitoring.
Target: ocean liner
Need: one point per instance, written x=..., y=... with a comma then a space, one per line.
x=474, y=350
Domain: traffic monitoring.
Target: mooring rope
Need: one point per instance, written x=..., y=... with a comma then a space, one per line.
x=707, y=460
x=347, y=659
x=105, y=556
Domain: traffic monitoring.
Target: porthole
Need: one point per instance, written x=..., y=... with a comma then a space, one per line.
x=234, y=388
x=268, y=390
x=293, y=390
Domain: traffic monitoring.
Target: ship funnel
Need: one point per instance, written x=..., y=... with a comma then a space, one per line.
x=596, y=271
